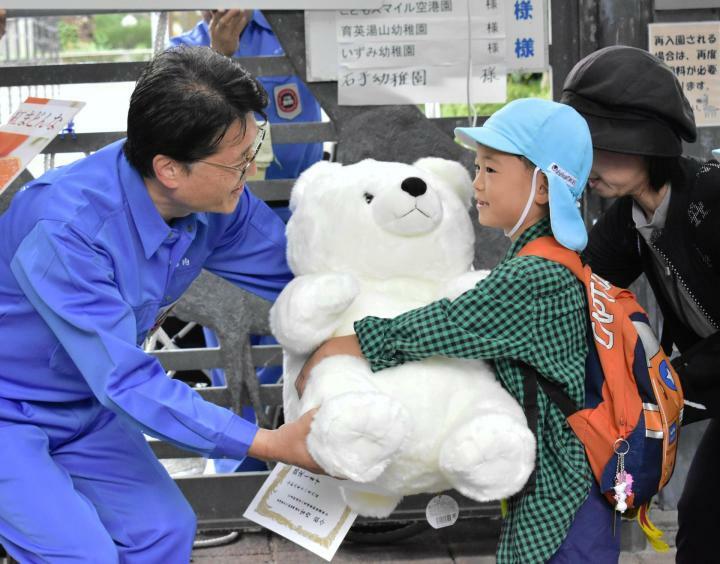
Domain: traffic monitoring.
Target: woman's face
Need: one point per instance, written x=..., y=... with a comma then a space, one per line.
x=618, y=174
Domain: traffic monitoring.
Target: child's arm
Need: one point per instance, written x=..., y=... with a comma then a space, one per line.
x=346, y=345
x=493, y=320
x=502, y=317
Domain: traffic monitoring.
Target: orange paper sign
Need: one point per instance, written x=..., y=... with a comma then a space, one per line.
x=28, y=131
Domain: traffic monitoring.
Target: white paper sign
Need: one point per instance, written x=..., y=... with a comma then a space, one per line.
x=28, y=131
x=692, y=51
x=527, y=36
x=303, y=507
x=411, y=52
x=508, y=33
x=417, y=85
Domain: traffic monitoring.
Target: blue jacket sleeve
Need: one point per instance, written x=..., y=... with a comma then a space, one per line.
x=70, y=282
x=251, y=252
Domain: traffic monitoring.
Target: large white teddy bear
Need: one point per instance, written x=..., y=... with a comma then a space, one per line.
x=382, y=238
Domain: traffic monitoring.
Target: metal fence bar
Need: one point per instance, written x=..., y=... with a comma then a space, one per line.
x=309, y=132
x=272, y=190
x=85, y=73
x=206, y=358
x=79, y=12
x=219, y=501
x=305, y=132
x=189, y=359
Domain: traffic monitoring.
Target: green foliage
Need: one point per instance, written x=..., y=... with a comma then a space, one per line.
x=68, y=36
x=518, y=86
x=109, y=33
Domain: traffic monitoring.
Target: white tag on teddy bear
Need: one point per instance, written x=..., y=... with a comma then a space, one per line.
x=442, y=511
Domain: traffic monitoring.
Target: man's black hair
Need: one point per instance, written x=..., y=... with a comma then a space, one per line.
x=184, y=102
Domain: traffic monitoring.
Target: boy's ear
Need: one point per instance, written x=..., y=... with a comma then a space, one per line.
x=542, y=196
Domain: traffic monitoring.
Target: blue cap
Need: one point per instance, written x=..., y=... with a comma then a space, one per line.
x=557, y=140
x=716, y=154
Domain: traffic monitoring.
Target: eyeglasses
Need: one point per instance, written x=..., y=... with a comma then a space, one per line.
x=254, y=150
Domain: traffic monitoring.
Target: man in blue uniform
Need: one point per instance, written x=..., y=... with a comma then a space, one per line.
x=246, y=33
x=91, y=256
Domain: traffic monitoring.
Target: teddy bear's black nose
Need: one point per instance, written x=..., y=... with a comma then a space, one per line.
x=414, y=186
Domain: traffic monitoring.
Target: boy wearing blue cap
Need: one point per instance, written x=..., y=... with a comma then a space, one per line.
x=533, y=161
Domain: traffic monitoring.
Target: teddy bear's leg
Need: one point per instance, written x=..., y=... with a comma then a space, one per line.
x=489, y=457
x=370, y=504
x=356, y=435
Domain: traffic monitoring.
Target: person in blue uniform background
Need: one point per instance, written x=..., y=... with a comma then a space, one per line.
x=246, y=33
x=92, y=256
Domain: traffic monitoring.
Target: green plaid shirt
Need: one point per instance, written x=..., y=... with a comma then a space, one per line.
x=530, y=310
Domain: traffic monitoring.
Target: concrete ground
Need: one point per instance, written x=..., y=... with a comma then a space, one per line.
x=468, y=541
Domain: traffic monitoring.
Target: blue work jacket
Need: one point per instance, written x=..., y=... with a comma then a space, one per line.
x=88, y=266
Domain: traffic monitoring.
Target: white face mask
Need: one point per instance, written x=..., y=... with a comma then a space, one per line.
x=526, y=211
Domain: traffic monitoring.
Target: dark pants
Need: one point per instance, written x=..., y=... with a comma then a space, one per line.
x=590, y=537
x=699, y=506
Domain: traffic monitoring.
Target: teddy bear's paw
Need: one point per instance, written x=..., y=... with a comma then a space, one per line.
x=308, y=310
x=355, y=435
x=335, y=292
x=370, y=504
x=490, y=457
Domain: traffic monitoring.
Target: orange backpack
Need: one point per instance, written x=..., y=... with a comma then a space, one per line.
x=633, y=398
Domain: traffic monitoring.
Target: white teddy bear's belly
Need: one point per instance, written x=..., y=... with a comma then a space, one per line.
x=387, y=298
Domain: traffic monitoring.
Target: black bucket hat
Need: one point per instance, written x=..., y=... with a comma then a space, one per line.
x=632, y=102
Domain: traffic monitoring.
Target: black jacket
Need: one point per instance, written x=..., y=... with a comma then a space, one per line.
x=690, y=244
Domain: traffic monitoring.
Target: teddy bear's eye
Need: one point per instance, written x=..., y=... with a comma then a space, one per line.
x=368, y=197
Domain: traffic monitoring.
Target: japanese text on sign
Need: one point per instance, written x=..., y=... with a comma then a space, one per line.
x=691, y=51
x=409, y=51
x=28, y=131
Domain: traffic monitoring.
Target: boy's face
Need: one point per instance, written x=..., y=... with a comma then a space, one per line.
x=502, y=188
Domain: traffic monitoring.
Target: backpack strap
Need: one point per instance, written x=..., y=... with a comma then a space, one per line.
x=530, y=407
x=548, y=248
x=557, y=395
x=531, y=379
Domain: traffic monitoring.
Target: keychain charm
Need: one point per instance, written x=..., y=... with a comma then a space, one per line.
x=623, y=479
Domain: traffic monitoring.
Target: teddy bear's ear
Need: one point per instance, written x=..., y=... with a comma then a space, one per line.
x=451, y=172
x=311, y=177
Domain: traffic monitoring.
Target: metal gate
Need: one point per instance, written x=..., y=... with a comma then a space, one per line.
x=400, y=133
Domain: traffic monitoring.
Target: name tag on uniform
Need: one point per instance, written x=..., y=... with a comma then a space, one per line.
x=287, y=100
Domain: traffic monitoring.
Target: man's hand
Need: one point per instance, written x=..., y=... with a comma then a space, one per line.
x=3, y=16
x=287, y=444
x=348, y=345
x=225, y=27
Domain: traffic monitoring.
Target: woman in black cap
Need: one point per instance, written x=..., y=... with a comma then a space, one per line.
x=665, y=224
